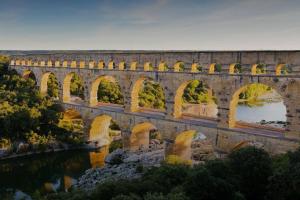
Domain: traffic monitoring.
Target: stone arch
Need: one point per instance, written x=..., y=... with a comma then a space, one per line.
x=42, y=63
x=148, y=66
x=140, y=136
x=122, y=65
x=191, y=146
x=67, y=85
x=214, y=67
x=235, y=99
x=99, y=130
x=162, y=66
x=279, y=69
x=235, y=68
x=182, y=144
x=65, y=63
x=196, y=67
x=49, y=63
x=179, y=66
x=178, y=100
x=258, y=69
x=101, y=64
x=134, y=107
x=133, y=65
x=44, y=82
x=111, y=65
x=95, y=86
x=57, y=63
x=74, y=64
x=91, y=64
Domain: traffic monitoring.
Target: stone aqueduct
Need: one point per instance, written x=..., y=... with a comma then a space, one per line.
x=130, y=68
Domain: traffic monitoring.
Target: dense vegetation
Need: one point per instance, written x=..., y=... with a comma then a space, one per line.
x=110, y=92
x=151, y=95
x=25, y=115
x=76, y=86
x=197, y=92
x=247, y=174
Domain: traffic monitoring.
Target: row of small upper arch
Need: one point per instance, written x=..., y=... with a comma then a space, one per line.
x=179, y=66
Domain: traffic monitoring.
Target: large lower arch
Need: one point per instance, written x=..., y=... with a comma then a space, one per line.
x=252, y=97
x=191, y=146
x=44, y=83
x=104, y=131
x=67, y=87
x=140, y=136
x=95, y=86
x=159, y=104
x=99, y=130
x=206, y=110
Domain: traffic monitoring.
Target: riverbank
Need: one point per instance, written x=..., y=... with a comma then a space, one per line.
x=120, y=165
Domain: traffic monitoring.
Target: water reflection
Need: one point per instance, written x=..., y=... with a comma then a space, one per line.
x=97, y=158
x=46, y=173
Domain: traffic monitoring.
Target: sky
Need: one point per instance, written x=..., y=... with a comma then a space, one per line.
x=149, y=24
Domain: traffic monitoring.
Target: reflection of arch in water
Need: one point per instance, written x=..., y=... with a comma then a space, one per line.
x=97, y=158
x=274, y=95
x=140, y=136
x=208, y=110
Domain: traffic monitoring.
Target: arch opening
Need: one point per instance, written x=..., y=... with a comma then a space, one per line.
x=179, y=66
x=191, y=147
x=251, y=106
x=122, y=65
x=215, y=68
x=148, y=66
x=259, y=69
x=282, y=69
x=196, y=67
x=73, y=89
x=194, y=99
x=111, y=65
x=162, y=66
x=105, y=134
x=235, y=68
x=133, y=66
x=145, y=136
x=49, y=85
x=106, y=90
x=147, y=96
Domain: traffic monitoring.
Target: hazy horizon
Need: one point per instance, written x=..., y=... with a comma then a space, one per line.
x=150, y=25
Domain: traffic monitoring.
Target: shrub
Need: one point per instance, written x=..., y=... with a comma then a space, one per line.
x=252, y=166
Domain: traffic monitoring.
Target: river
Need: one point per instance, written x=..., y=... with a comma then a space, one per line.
x=49, y=172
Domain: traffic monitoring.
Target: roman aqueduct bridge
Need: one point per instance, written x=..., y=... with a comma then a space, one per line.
x=173, y=71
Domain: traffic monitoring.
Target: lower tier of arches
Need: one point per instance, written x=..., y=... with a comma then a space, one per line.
x=136, y=133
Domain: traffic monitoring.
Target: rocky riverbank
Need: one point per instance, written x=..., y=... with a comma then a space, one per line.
x=120, y=164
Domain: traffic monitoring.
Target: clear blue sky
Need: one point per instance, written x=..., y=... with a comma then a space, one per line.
x=150, y=24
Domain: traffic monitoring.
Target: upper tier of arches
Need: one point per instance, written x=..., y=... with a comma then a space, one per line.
x=162, y=66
